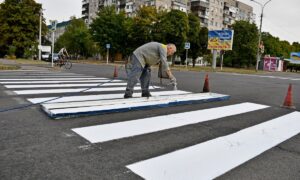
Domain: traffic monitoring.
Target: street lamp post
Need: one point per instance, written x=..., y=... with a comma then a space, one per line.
x=259, y=37
x=40, y=35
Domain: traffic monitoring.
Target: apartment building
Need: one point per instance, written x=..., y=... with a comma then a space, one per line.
x=91, y=7
x=213, y=14
x=220, y=14
x=235, y=11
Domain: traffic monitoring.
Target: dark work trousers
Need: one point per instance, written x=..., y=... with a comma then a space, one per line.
x=136, y=72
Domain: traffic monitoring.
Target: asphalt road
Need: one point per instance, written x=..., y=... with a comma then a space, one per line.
x=34, y=146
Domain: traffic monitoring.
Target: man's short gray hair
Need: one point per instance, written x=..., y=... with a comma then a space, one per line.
x=173, y=46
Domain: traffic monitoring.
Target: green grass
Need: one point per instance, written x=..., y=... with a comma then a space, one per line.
x=28, y=61
x=8, y=67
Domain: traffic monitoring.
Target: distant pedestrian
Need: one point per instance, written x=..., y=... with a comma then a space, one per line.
x=140, y=62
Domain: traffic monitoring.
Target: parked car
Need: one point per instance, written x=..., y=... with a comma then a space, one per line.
x=55, y=57
x=45, y=56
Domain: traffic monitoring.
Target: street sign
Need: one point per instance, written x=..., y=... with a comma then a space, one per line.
x=53, y=25
x=107, y=46
x=187, y=45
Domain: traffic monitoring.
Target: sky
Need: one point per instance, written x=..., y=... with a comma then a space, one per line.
x=281, y=17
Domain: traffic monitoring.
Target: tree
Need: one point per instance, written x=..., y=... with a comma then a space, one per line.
x=244, y=45
x=203, y=38
x=77, y=39
x=193, y=36
x=173, y=28
x=109, y=28
x=143, y=25
x=19, y=25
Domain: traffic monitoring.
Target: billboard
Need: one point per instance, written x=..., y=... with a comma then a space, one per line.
x=220, y=39
x=295, y=55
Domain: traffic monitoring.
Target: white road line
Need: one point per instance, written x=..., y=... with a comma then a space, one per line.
x=213, y=158
x=74, y=90
x=63, y=85
x=116, y=102
x=108, y=132
x=57, y=82
x=261, y=76
x=98, y=97
x=131, y=104
x=49, y=79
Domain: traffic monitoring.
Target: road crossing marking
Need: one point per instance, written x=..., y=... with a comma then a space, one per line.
x=110, y=106
x=74, y=90
x=213, y=158
x=271, y=77
x=98, y=97
x=55, y=79
x=64, y=85
x=58, y=82
x=108, y=132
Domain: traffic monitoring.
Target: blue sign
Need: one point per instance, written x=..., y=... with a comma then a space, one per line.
x=187, y=45
x=107, y=46
x=220, y=39
x=295, y=55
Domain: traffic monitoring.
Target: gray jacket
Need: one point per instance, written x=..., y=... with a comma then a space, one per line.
x=152, y=53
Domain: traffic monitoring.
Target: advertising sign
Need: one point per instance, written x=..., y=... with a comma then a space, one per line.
x=220, y=39
x=270, y=63
x=295, y=56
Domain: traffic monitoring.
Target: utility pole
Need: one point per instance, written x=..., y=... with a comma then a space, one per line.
x=259, y=37
x=40, y=35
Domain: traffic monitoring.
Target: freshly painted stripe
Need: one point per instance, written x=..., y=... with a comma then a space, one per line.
x=108, y=132
x=63, y=85
x=55, y=91
x=49, y=79
x=111, y=106
x=110, y=101
x=57, y=82
x=99, y=97
x=213, y=158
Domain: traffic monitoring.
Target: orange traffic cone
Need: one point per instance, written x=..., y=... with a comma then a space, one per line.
x=206, y=84
x=115, y=72
x=288, y=102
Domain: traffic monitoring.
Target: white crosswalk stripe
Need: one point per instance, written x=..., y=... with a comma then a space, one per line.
x=213, y=158
x=63, y=85
x=108, y=132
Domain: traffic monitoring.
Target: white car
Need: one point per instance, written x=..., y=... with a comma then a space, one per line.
x=55, y=57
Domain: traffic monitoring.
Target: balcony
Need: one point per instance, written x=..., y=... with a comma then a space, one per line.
x=199, y=4
x=84, y=2
x=203, y=15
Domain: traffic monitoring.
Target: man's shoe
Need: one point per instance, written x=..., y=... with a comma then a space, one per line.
x=127, y=96
x=146, y=94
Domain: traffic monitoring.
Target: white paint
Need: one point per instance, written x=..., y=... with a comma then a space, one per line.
x=74, y=90
x=110, y=101
x=64, y=85
x=98, y=97
x=50, y=79
x=116, y=105
x=57, y=82
x=271, y=77
x=107, y=132
x=213, y=158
